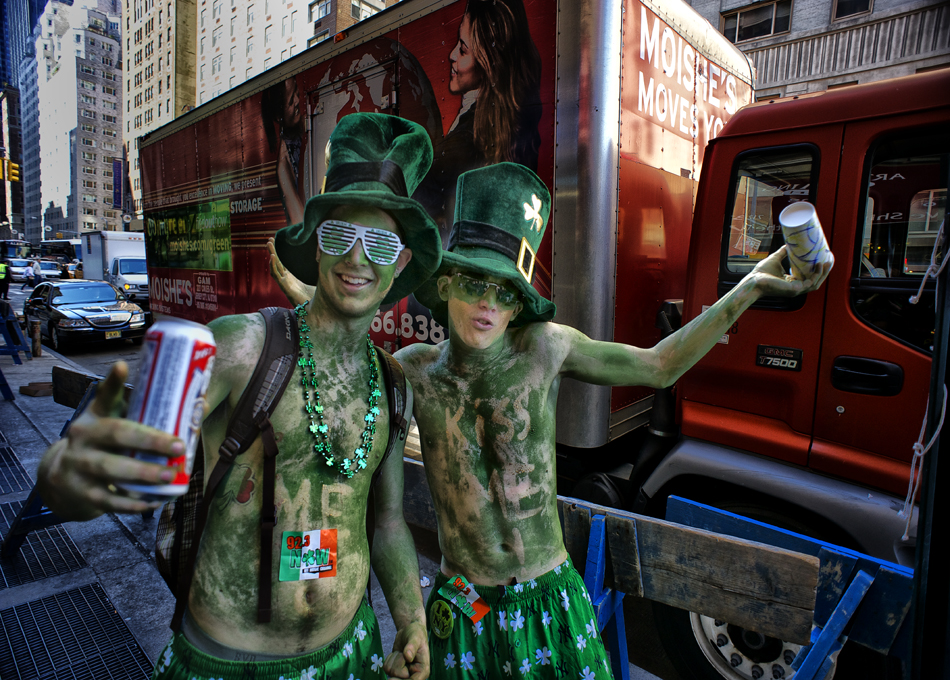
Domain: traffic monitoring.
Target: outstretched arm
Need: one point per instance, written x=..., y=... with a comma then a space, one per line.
x=608, y=363
x=397, y=568
x=80, y=475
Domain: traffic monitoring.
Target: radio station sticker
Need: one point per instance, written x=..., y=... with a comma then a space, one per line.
x=307, y=555
x=781, y=358
x=462, y=594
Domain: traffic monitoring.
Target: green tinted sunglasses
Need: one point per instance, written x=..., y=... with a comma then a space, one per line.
x=474, y=290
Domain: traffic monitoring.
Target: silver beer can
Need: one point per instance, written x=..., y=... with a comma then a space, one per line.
x=169, y=395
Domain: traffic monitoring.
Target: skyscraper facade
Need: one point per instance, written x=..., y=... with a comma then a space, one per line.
x=159, y=73
x=71, y=98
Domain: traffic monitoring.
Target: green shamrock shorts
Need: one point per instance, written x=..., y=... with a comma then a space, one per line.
x=542, y=628
x=355, y=654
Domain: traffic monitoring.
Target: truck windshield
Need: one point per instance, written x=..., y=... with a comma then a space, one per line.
x=132, y=267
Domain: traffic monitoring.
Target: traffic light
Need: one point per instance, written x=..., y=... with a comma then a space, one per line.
x=13, y=172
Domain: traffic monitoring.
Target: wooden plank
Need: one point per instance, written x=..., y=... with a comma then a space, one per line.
x=884, y=609
x=834, y=575
x=37, y=389
x=623, y=565
x=758, y=587
x=576, y=524
x=70, y=385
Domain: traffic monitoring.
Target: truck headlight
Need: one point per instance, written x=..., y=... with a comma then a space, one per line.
x=127, y=286
x=137, y=317
x=72, y=323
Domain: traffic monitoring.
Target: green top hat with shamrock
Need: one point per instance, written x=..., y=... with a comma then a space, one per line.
x=375, y=160
x=501, y=212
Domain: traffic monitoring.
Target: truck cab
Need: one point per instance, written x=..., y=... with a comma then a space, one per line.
x=806, y=413
x=130, y=275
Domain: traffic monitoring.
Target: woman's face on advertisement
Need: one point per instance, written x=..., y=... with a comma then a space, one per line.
x=465, y=74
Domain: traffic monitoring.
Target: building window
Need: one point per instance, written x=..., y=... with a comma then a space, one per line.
x=87, y=69
x=758, y=21
x=250, y=47
x=216, y=35
x=217, y=8
x=86, y=127
x=250, y=15
x=216, y=65
x=87, y=85
x=233, y=25
x=847, y=8
x=88, y=142
x=293, y=21
x=283, y=27
x=88, y=114
x=268, y=35
x=201, y=46
x=109, y=105
x=319, y=9
x=233, y=55
x=88, y=171
x=88, y=184
x=108, y=90
x=109, y=119
x=86, y=99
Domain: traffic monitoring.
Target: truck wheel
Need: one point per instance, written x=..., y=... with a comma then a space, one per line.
x=704, y=648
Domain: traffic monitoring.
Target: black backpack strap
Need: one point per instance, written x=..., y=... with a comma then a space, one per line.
x=251, y=417
x=395, y=380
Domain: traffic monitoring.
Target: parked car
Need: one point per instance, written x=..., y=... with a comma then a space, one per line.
x=75, y=312
x=49, y=269
x=18, y=268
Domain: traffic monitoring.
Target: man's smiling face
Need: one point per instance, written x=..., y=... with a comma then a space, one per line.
x=477, y=317
x=351, y=283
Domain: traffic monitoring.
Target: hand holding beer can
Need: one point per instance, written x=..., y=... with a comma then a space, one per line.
x=169, y=395
x=807, y=247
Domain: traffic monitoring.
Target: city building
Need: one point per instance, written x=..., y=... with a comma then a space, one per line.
x=160, y=40
x=800, y=46
x=11, y=193
x=71, y=105
x=238, y=39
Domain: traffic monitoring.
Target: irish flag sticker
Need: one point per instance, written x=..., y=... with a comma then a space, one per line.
x=307, y=554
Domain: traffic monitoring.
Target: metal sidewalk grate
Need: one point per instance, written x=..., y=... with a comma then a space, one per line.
x=76, y=634
x=45, y=553
x=12, y=475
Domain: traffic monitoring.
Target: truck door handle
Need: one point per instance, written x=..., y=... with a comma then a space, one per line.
x=867, y=376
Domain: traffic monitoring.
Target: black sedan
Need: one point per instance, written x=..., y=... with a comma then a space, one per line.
x=83, y=311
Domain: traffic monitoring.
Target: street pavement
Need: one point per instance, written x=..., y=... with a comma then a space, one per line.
x=95, y=584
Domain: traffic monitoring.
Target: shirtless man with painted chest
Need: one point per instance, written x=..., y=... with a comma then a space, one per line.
x=362, y=242
x=485, y=404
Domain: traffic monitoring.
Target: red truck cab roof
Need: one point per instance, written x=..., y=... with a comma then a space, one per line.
x=917, y=92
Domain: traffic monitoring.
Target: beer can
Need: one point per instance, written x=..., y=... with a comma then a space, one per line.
x=169, y=395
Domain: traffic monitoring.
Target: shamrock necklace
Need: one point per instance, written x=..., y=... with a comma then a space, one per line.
x=319, y=429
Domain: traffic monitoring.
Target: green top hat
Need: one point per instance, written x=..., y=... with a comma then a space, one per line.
x=501, y=212
x=378, y=161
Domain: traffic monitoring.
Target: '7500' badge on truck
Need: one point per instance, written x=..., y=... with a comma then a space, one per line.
x=782, y=358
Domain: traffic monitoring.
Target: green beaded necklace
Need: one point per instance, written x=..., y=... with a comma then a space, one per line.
x=348, y=466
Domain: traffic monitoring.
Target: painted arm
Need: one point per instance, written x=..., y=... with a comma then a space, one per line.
x=288, y=186
x=608, y=363
x=78, y=475
x=397, y=568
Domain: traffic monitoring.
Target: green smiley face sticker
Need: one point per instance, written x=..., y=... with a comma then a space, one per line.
x=440, y=618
